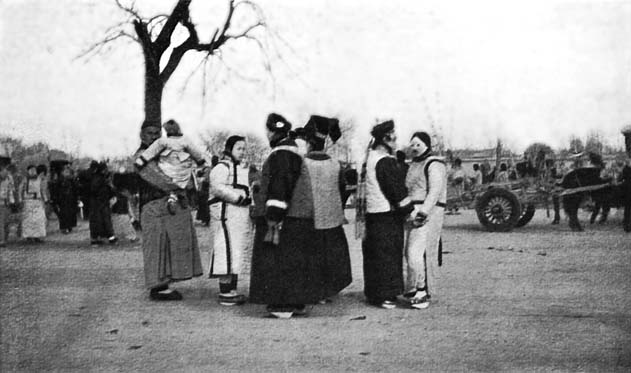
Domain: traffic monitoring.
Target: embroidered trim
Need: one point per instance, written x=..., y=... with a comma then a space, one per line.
x=290, y=148
x=404, y=202
x=276, y=203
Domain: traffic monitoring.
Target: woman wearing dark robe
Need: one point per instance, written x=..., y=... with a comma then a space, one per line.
x=169, y=241
x=100, y=210
x=285, y=274
x=387, y=207
x=66, y=199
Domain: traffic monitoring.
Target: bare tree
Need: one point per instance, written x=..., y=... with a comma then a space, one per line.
x=594, y=143
x=154, y=35
x=342, y=150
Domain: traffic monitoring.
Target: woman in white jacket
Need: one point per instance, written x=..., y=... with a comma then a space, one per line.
x=230, y=225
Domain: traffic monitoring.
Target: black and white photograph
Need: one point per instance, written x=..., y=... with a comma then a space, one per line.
x=315, y=186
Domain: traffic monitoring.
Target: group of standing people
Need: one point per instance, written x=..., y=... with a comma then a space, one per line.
x=287, y=221
x=30, y=197
x=29, y=202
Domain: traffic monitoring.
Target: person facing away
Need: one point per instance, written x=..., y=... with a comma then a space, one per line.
x=176, y=156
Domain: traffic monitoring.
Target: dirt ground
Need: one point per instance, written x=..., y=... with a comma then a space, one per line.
x=541, y=298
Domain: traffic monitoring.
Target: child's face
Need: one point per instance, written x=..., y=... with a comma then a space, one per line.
x=238, y=150
x=417, y=147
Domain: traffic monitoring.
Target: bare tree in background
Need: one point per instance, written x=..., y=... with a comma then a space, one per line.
x=256, y=149
x=342, y=150
x=154, y=35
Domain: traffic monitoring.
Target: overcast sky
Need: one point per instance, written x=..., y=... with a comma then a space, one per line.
x=523, y=71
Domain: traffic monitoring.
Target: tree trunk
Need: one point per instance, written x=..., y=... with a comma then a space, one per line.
x=153, y=97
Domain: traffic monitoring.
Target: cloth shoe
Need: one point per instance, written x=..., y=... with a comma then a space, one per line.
x=165, y=295
x=231, y=299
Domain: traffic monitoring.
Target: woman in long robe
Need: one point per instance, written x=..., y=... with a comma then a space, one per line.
x=66, y=199
x=230, y=224
x=387, y=207
x=316, y=212
x=34, y=196
x=100, y=210
x=169, y=241
x=286, y=275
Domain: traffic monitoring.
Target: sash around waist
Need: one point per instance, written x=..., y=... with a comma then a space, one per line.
x=439, y=204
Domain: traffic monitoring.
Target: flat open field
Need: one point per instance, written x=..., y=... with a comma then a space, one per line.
x=540, y=298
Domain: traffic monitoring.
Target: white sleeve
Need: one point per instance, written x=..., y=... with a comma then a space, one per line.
x=437, y=181
x=220, y=185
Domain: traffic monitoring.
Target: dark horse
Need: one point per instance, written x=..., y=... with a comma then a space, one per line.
x=577, y=185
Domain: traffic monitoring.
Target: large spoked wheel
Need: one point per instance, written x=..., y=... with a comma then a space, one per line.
x=526, y=215
x=498, y=210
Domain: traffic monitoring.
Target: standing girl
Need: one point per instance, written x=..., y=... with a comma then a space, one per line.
x=230, y=224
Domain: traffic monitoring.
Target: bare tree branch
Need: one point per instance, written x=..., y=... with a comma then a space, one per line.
x=129, y=9
x=97, y=47
x=179, y=13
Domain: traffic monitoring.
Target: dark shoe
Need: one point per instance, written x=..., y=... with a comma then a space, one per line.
x=112, y=240
x=555, y=222
x=300, y=310
x=387, y=304
x=165, y=296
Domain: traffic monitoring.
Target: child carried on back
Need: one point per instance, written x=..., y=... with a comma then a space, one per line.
x=176, y=156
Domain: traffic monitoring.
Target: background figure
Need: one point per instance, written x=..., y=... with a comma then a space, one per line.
x=625, y=181
x=478, y=178
x=502, y=176
x=34, y=214
x=7, y=200
x=551, y=178
x=485, y=167
x=65, y=199
x=15, y=214
x=42, y=174
x=101, y=192
x=122, y=216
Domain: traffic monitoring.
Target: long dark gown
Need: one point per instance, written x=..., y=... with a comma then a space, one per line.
x=66, y=198
x=382, y=246
x=290, y=273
